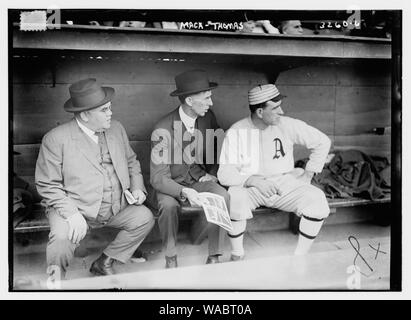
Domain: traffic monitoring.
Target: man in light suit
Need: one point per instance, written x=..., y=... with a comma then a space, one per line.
x=83, y=170
x=181, y=167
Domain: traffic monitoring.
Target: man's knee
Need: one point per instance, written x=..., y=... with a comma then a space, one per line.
x=240, y=204
x=142, y=216
x=58, y=233
x=221, y=191
x=167, y=204
x=317, y=204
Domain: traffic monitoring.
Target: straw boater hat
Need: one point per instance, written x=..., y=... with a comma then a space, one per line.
x=192, y=81
x=263, y=93
x=87, y=94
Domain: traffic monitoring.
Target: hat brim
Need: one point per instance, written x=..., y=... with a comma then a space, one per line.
x=109, y=92
x=212, y=85
x=278, y=98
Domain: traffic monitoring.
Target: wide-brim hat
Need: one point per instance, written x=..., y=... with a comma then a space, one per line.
x=264, y=93
x=87, y=94
x=191, y=82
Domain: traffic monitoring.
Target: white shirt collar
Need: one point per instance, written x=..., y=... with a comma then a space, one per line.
x=88, y=131
x=187, y=120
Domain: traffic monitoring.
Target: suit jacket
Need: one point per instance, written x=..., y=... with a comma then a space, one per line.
x=68, y=175
x=171, y=159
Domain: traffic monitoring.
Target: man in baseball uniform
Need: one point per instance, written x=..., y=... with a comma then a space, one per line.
x=257, y=165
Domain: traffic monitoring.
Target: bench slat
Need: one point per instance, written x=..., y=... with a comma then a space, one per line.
x=39, y=222
x=339, y=203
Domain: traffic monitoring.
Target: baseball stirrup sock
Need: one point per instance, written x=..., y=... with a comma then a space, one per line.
x=310, y=227
x=236, y=237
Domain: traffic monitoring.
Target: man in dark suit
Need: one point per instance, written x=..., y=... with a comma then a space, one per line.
x=84, y=170
x=184, y=161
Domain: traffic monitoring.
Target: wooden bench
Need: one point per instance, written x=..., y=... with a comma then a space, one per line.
x=24, y=165
x=38, y=222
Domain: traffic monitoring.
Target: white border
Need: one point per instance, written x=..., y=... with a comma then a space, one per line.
x=209, y=4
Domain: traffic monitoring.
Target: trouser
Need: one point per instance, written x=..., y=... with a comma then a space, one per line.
x=305, y=200
x=296, y=196
x=169, y=210
x=134, y=223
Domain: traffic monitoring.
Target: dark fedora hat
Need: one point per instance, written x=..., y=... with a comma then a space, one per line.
x=192, y=81
x=87, y=94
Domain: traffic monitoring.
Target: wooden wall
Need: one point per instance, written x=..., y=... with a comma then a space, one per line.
x=343, y=98
x=142, y=90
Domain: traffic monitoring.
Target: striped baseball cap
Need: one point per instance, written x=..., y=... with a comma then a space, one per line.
x=263, y=93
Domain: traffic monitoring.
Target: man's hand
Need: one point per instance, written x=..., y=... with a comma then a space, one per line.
x=192, y=196
x=266, y=187
x=140, y=196
x=77, y=227
x=208, y=177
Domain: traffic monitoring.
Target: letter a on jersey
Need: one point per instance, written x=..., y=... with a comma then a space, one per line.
x=279, y=151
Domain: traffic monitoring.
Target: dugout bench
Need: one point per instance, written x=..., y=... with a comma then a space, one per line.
x=37, y=220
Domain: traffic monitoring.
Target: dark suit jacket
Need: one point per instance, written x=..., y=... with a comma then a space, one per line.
x=69, y=176
x=171, y=157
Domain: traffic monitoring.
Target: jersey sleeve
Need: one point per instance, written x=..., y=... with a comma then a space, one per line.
x=313, y=139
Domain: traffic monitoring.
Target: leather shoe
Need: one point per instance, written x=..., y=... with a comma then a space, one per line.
x=236, y=258
x=103, y=266
x=212, y=259
x=171, y=262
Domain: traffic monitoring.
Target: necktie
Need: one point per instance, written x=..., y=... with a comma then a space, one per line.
x=100, y=137
x=193, y=147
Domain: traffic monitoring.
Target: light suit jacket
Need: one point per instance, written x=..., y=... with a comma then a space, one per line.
x=69, y=177
x=168, y=137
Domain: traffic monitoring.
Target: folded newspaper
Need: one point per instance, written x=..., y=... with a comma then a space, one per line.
x=130, y=198
x=215, y=209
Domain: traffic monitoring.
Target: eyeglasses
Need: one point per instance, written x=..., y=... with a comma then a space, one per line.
x=105, y=108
